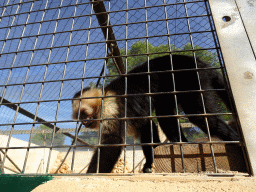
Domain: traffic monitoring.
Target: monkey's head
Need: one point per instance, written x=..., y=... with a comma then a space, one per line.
x=89, y=108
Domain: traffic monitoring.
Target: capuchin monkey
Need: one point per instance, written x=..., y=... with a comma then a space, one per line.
x=185, y=82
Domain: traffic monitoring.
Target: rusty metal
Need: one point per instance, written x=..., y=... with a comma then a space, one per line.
x=109, y=35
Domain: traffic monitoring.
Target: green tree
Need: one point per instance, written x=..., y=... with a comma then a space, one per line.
x=90, y=137
x=46, y=138
x=203, y=55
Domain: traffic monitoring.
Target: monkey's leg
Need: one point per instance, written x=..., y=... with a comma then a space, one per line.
x=108, y=155
x=192, y=104
x=165, y=105
x=108, y=158
x=218, y=128
x=147, y=149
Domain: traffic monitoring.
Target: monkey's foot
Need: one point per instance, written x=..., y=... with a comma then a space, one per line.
x=147, y=170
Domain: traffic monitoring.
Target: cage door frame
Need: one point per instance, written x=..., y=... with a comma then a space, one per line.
x=234, y=25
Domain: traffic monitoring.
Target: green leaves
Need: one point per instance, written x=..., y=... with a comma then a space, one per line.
x=46, y=138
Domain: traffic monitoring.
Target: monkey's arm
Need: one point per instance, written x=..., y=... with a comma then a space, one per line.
x=108, y=155
x=108, y=159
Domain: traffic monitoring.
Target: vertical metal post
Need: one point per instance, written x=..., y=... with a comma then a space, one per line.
x=239, y=54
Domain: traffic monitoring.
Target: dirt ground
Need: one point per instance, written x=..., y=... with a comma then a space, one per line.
x=149, y=182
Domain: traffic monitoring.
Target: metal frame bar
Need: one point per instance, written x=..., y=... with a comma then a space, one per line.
x=238, y=65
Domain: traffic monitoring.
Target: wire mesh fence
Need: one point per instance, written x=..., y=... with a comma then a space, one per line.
x=50, y=50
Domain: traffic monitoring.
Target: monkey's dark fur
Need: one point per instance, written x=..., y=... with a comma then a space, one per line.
x=163, y=104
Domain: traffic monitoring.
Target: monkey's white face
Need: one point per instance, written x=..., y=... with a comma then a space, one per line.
x=89, y=110
x=87, y=113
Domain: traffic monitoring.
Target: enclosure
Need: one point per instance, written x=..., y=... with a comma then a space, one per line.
x=50, y=50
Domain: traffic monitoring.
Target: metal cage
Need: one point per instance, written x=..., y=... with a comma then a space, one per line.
x=52, y=49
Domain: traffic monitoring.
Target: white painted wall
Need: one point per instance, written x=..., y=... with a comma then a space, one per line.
x=35, y=156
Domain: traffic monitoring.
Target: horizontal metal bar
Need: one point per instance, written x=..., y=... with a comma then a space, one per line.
x=124, y=96
x=123, y=118
x=126, y=145
x=106, y=41
x=19, y=3
x=38, y=10
x=113, y=25
x=193, y=155
x=125, y=75
x=64, y=130
x=168, y=143
x=35, y=131
x=226, y=174
x=114, y=11
x=134, y=174
x=103, y=58
x=151, y=94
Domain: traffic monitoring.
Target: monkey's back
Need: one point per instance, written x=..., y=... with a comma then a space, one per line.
x=160, y=78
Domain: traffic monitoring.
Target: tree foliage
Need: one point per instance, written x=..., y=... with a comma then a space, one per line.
x=90, y=137
x=46, y=138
